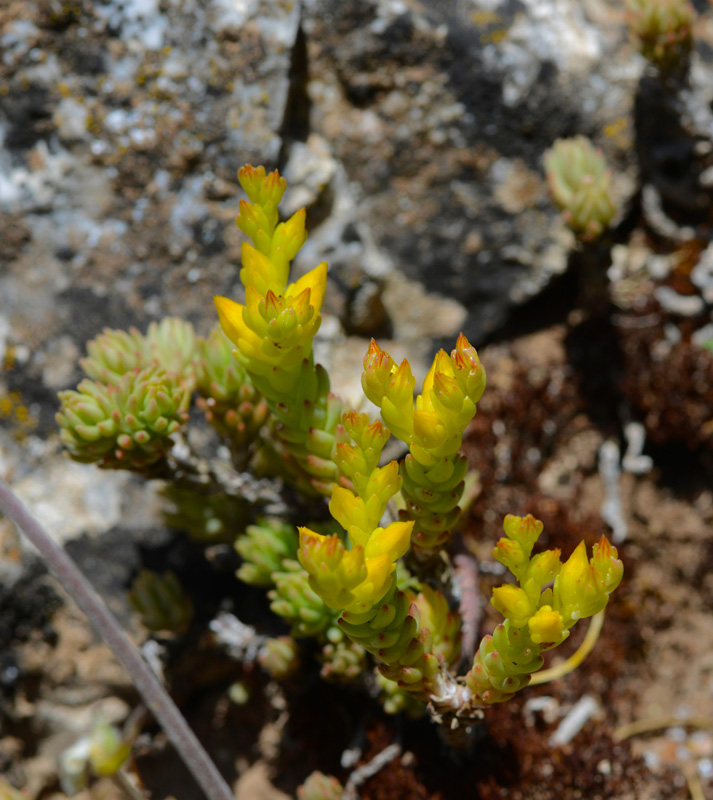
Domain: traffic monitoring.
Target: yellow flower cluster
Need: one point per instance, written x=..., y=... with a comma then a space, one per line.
x=538, y=618
x=581, y=586
x=273, y=331
x=433, y=428
x=357, y=579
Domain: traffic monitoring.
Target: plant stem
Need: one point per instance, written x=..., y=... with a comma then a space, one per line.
x=155, y=696
x=122, y=781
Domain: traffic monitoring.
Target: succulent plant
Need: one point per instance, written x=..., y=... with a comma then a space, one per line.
x=230, y=402
x=580, y=185
x=294, y=600
x=127, y=425
x=662, y=30
x=169, y=344
x=172, y=344
x=161, y=602
x=342, y=659
x=396, y=700
x=205, y=517
x=113, y=353
x=280, y=657
x=264, y=548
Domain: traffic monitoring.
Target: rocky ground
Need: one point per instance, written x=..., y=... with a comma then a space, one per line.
x=414, y=135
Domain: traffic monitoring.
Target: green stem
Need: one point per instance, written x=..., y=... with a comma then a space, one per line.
x=155, y=696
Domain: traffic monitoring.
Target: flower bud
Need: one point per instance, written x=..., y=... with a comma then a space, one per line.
x=546, y=626
x=469, y=372
x=376, y=378
x=524, y=530
x=513, y=603
x=334, y=572
x=262, y=189
x=608, y=567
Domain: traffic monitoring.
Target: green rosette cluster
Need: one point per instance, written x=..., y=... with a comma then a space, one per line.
x=293, y=599
x=269, y=551
x=342, y=660
x=127, y=425
x=537, y=619
x=280, y=657
x=580, y=185
x=206, y=517
x=662, y=30
x=169, y=344
x=230, y=402
x=113, y=353
x=395, y=700
x=161, y=602
x=274, y=330
x=264, y=547
x=137, y=399
x=433, y=472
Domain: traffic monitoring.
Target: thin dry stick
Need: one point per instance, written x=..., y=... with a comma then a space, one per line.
x=658, y=723
x=155, y=696
x=695, y=787
x=122, y=781
x=466, y=578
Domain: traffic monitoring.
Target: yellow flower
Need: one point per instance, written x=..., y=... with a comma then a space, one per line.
x=546, y=626
x=351, y=513
x=468, y=370
x=513, y=603
x=578, y=590
x=376, y=377
x=316, y=281
x=334, y=572
x=230, y=314
x=259, y=272
x=394, y=541
x=524, y=530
